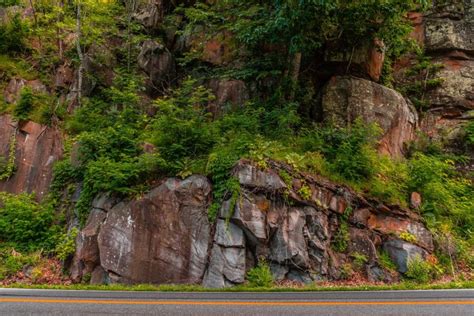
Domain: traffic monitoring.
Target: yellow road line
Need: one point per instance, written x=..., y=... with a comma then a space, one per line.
x=235, y=303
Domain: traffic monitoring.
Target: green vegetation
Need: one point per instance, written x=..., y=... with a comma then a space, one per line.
x=260, y=276
x=341, y=238
x=419, y=270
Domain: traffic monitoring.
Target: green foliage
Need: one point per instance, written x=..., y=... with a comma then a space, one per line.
x=24, y=105
x=12, y=36
x=305, y=192
x=182, y=129
x=67, y=245
x=341, y=239
x=12, y=261
x=420, y=79
x=386, y=262
x=25, y=223
x=419, y=270
x=359, y=259
x=445, y=194
x=260, y=276
x=347, y=150
x=408, y=237
x=469, y=129
x=7, y=166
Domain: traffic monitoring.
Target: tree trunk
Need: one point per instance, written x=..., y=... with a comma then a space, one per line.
x=79, y=53
x=294, y=73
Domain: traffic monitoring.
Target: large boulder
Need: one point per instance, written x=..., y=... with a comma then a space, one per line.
x=402, y=252
x=161, y=238
x=347, y=98
x=157, y=62
x=36, y=148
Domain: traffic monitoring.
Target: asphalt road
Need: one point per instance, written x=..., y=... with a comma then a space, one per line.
x=56, y=302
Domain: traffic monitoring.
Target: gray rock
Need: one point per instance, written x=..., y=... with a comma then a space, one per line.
x=279, y=271
x=288, y=244
x=401, y=252
x=226, y=267
x=229, y=235
x=299, y=276
x=157, y=62
x=252, y=177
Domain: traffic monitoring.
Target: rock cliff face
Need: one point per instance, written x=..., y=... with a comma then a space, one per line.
x=347, y=98
x=165, y=237
x=36, y=148
x=160, y=238
x=447, y=34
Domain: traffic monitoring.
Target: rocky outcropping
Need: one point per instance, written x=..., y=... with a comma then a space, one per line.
x=306, y=229
x=161, y=238
x=347, y=98
x=157, y=62
x=36, y=148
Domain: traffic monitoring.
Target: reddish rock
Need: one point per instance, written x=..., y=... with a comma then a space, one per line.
x=230, y=94
x=368, y=58
x=64, y=77
x=395, y=225
x=347, y=98
x=161, y=238
x=415, y=200
x=37, y=147
x=86, y=257
x=218, y=50
x=14, y=87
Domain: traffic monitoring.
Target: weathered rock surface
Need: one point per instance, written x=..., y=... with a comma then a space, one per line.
x=347, y=98
x=37, y=147
x=295, y=234
x=401, y=252
x=12, y=92
x=230, y=94
x=157, y=62
x=161, y=238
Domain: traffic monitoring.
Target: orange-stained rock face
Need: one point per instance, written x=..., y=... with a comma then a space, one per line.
x=218, y=50
x=37, y=147
x=395, y=225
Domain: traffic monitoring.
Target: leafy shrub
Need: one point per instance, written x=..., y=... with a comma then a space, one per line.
x=183, y=127
x=347, y=150
x=260, y=276
x=12, y=261
x=445, y=194
x=408, y=237
x=67, y=244
x=359, y=259
x=386, y=262
x=12, y=36
x=24, y=105
x=26, y=223
x=419, y=270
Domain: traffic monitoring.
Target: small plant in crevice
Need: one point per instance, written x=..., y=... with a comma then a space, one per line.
x=305, y=192
x=386, y=262
x=341, y=239
x=7, y=166
x=408, y=237
x=359, y=260
x=260, y=276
